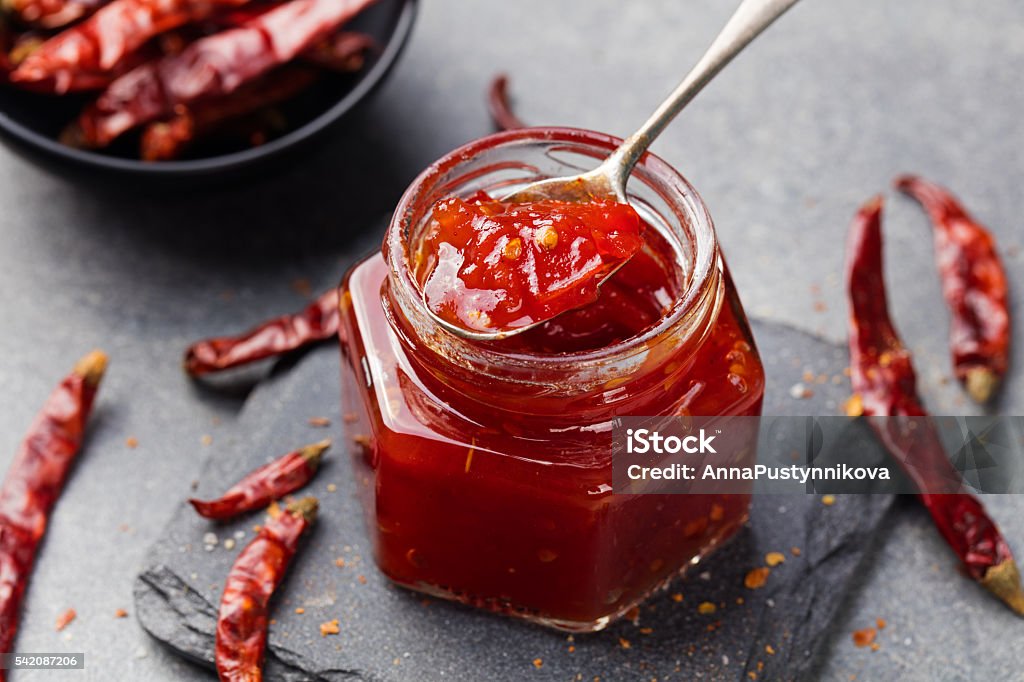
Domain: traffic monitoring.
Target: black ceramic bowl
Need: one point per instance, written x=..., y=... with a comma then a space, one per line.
x=30, y=123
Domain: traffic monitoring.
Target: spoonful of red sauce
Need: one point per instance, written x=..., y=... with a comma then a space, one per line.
x=489, y=269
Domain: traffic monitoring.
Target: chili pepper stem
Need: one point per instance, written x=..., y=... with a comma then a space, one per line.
x=91, y=367
x=981, y=384
x=1003, y=580
x=306, y=507
x=314, y=453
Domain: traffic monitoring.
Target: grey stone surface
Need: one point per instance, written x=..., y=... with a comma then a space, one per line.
x=389, y=634
x=819, y=114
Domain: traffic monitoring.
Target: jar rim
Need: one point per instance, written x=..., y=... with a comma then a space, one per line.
x=696, y=290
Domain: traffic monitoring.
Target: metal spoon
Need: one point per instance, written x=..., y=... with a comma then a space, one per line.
x=608, y=181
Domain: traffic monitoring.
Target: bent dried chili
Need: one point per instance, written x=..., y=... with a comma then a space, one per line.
x=34, y=482
x=498, y=105
x=213, y=66
x=317, y=322
x=251, y=582
x=974, y=285
x=269, y=482
x=883, y=378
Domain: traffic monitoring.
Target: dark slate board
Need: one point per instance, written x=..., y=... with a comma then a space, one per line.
x=388, y=633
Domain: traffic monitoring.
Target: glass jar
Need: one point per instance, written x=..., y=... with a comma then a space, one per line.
x=485, y=469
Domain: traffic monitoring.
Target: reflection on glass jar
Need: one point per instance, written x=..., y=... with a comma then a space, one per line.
x=485, y=468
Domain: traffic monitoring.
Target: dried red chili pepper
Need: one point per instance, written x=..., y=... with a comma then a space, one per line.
x=252, y=580
x=168, y=139
x=34, y=481
x=884, y=380
x=51, y=13
x=498, y=105
x=213, y=66
x=343, y=52
x=269, y=482
x=101, y=42
x=974, y=285
x=317, y=322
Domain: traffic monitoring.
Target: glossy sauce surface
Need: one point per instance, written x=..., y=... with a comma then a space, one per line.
x=487, y=265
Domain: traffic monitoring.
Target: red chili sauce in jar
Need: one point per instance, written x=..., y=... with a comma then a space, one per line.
x=485, y=468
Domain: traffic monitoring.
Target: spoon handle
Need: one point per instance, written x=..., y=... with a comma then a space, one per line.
x=750, y=19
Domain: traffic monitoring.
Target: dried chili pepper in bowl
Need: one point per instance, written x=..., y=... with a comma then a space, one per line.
x=50, y=13
x=244, y=606
x=269, y=482
x=101, y=42
x=34, y=482
x=884, y=381
x=168, y=139
x=974, y=285
x=317, y=322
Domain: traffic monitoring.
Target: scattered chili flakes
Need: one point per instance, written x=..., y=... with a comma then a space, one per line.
x=677, y=597
x=646, y=631
x=64, y=619
x=120, y=613
x=864, y=637
x=331, y=627
x=299, y=610
x=706, y=608
x=880, y=623
x=752, y=675
x=624, y=643
x=774, y=558
x=854, y=406
x=131, y=442
x=875, y=646
x=795, y=551
x=469, y=454
x=538, y=663
x=757, y=577
x=799, y=391
x=340, y=562
x=361, y=579
x=321, y=422
x=717, y=512
x=350, y=417
x=769, y=649
x=828, y=500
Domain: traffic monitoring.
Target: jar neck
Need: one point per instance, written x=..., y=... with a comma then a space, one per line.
x=598, y=380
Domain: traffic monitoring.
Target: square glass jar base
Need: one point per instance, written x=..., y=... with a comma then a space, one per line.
x=503, y=607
